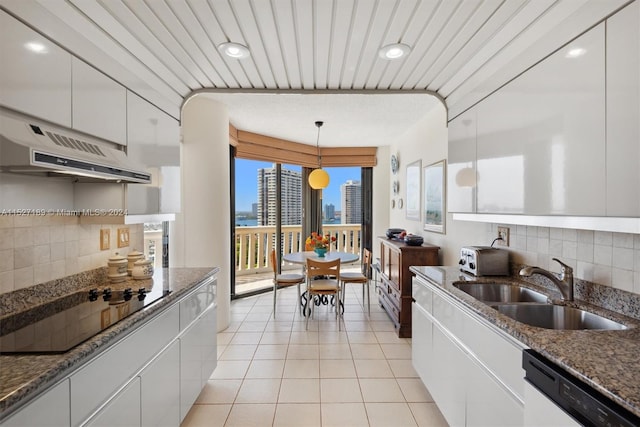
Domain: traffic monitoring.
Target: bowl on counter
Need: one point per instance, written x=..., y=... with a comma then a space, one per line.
x=393, y=232
x=413, y=240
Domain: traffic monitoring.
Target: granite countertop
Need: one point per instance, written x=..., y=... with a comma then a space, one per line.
x=605, y=360
x=24, y=376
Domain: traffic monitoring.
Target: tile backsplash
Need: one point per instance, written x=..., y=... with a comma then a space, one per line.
x=37, y=249
x=606, y=258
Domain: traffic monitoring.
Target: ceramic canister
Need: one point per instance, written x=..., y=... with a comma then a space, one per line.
x=142, y=269
x=117, y=271
x=133, y=256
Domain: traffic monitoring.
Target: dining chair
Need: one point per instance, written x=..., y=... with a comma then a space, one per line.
x=283, y=280
x=359, y=277
x=323, y=279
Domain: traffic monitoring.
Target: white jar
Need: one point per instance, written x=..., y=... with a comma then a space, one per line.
x=117, y=271
x=133, y=256
x=142, y=269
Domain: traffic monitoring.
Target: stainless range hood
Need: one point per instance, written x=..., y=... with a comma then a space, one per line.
x=32, y=146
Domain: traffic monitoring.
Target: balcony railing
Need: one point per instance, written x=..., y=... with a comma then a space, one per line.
x=253, y=244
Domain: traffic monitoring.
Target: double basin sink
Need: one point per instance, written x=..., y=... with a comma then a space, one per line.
x=534, y=308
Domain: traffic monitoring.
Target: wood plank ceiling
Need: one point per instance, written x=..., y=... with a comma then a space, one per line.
x=460, y=49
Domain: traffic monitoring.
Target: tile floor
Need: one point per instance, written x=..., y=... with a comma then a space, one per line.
x=276, y=373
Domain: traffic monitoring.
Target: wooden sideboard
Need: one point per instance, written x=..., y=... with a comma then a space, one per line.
x=395, y=291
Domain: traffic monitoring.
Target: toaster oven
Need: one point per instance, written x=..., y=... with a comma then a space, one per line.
x=484, y=261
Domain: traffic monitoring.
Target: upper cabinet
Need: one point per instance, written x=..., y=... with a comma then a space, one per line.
x=623, y=112
x=561, y=139
x=99, y=103
x=154, y=141
x=461, y=163
x=35, y=76
x=541, y=138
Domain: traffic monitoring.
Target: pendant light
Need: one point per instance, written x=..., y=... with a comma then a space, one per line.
x=319, y=178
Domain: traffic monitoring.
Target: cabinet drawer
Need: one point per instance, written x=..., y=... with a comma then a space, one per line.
x=502, y=357
x=449, y=316
x=391, y=309
x=96, y=382
x=423, y=296
x=49, y=409
x=195, y=304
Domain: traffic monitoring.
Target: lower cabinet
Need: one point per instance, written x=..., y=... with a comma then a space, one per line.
x=149, y=378
x=540, y=411
x=50, y=409
x=160, y=389
x=123, y=410
x=448, y=386
x=198, y=356
x=469, y=388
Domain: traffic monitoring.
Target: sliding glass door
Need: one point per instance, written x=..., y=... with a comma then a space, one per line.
x=274, y=208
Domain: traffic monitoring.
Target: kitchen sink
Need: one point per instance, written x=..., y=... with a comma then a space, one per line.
x=556, y=317
x=501, y=292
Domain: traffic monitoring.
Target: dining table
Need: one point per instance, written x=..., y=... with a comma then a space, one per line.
x=301, y=258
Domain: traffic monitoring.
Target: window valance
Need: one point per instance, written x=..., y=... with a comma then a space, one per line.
x=260, y=147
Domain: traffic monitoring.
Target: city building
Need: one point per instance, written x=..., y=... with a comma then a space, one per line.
x=291, y=193
x=329, y=211
x=351, y=202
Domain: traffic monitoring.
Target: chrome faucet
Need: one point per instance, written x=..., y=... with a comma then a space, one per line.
x=564, y=280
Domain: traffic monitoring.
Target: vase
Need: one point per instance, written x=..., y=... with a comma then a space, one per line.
x=320, y=252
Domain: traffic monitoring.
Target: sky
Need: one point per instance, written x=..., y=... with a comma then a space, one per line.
x=247, y=184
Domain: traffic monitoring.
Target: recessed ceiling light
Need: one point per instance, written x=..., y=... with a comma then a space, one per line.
x=394, y=51
x=576, y=52
x=36, y=47
x=234, y=50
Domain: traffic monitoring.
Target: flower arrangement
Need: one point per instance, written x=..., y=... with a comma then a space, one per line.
x=317, y=241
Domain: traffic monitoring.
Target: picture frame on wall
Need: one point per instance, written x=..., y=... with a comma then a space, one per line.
x=434, y=176
x=413, y=190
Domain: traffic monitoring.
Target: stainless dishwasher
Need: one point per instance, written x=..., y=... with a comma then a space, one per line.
x=584, y=404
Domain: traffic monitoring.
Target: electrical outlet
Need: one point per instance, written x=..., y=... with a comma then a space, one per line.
x=105, y=237
x=123, y=237
x=503, y=233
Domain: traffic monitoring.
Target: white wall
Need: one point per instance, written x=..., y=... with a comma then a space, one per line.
x=427, y=141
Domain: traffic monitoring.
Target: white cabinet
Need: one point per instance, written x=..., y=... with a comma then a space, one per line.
x=35, y=76
x=449, y=383
x=50, y=409
x=540, y=411
x=198, y=344
x=473, y=372
x=541, y=138
x=160, y=389
x=95, y=382
x=489, y=403
x=151, y=377
x=154, y=141
x=461, y=163
x=99, y=104
x=123, y=410
x=422, y=341
x=623, y=112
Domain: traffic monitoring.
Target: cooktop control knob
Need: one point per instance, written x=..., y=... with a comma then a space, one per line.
x=106, y=294
x=127, y=294
x=462, y=261
x=93, y=294
x=472, y=266
x=142, y=293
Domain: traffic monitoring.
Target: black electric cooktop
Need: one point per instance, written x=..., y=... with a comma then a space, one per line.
x=64, y=323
